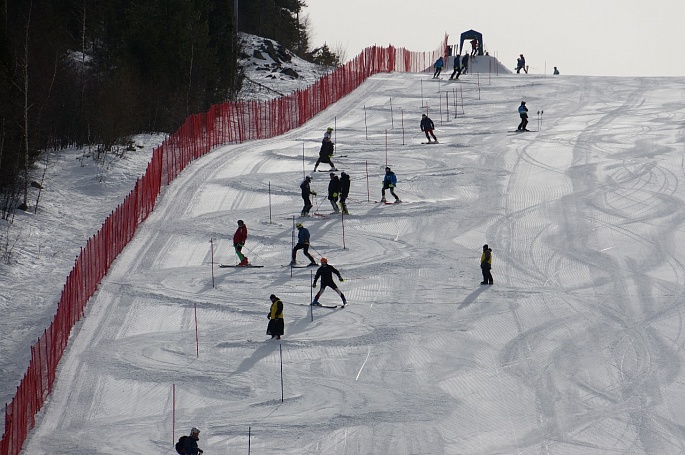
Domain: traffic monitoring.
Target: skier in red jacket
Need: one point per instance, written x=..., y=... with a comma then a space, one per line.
x=239, y=239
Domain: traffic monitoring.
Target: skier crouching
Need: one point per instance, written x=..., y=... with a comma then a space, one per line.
x=326, y=272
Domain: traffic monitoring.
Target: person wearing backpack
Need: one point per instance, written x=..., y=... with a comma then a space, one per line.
x=187, y=445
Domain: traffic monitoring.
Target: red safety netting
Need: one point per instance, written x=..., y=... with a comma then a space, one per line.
x=227, y=123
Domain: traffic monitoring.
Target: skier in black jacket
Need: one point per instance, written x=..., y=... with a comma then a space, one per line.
x=334, y=191
x=457, y=67
x=306, y=192
x=465, y=64
x=326, y=272
x=427, y=127
x=326, y=153
x=344, y=191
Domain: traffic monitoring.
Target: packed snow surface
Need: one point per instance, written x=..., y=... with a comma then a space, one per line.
x=575, y=349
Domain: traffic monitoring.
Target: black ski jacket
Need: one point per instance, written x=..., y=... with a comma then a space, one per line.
x=306, y=189
x=344, y=185
x=326, y=149
x=427, y=124
x=334, y=187
x=326, y=272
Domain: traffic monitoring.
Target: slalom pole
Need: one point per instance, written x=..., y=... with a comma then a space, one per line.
x=368, y=191
x=304, y=173
x=173, y=413
x=366, y=126
x=447, y=105
x=197, y=339
x=440, y=105
x=335, y=133
x=392, y=120
x=311, y=295
x=270, y=222
x=461, y=95
x=292, y=245
x=249, y=439
x=478, y=74
x=456, y=103
x=342, y=224
x=280, y=349
x=211, y=245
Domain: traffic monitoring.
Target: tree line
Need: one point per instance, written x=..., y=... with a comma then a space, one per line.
x=80, y=72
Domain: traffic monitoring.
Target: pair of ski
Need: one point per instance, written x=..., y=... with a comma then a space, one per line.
x=318, y=305
x=248, y=266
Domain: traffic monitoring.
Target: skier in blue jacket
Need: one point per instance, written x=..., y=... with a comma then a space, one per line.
x=438, y=67
x=302, y=244
x=389, y=183
x=523, y=113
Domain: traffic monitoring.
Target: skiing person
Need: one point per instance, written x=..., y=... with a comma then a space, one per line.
x=427, y=126
x=328, y=133
x=474, y=47
x=190, y=444
x=344, y=191
x=326, y=153
x=326, y=272
x=239, y=239
x=486, y=264
x=556, y=71
x=334, y=191
x=276, y=326
x=389, y=182
x=465, y=64
x=306, y=192
x=457, y=67
x=302, y=244
x=523, y=113
x=439, y=63
x=521, y=64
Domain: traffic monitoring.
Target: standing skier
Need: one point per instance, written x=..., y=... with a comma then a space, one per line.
x=239, y=239
x=326, y=272
x=457, y=67
x=344, y=191
x=328, y=133
x=465, y=63
x=521, y=64
x=334, y=191
x=474, y=47
x=389, y=182
x=523, y=113
x=302, y=244
x=486, y=264
x=306, y=193
x=427, y=126
x=439, y=63
x=276, y=326
x=326, y=153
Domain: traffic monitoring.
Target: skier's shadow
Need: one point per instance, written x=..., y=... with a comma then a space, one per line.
x=472, y=297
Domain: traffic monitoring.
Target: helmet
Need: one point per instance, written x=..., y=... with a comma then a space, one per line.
x=298, y=225
x=324, y=261
x=485, y=247
x=308, y=178
x=523, y=102
x=423, y=115
x=240, y=222
x=194, y=431
x=329, y=129
x=387, y=169
x=332, y=174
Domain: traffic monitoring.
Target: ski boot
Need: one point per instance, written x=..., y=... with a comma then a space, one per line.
x=243, y=263
x=383, y=199
x=316, y=303
x=397, y=200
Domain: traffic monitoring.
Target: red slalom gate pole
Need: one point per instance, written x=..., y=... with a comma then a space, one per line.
x=211, y=244
x=197, y=340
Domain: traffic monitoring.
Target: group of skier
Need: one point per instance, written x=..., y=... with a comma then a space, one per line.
x=338, y=191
